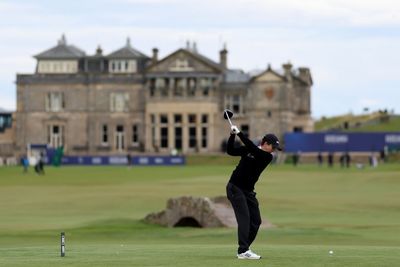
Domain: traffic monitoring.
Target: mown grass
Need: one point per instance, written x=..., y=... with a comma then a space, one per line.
x=353, y=212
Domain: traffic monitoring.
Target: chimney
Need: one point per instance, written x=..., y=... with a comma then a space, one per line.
x=99, y=51
x=63, y=40
x=304, y=74
x=154, y=60
x=288, y=70
x=194, y=49
x=223, y=57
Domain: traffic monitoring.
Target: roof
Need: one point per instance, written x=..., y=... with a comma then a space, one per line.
x=4, y=111
x=236, y=75
x=269, y=69
x=203, y=58
x=127, y=52
x=196, y=55
x=62, y=51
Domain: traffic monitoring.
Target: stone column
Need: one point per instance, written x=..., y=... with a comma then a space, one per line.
x=185, y=133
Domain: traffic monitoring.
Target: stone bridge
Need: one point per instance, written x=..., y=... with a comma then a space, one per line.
x=197, y=212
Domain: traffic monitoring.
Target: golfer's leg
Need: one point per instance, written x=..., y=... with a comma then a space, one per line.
x=255, y=217
x=239, y=204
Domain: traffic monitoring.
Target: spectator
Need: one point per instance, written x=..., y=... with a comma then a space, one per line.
x=39, y=167
x=320, y=159
x=330, y=159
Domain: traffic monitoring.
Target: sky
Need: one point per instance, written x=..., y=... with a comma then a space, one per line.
x=352, y=47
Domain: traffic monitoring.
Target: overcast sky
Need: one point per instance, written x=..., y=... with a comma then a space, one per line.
x=351, y=46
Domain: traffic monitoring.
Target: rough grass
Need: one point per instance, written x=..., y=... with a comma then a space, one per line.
x=353, y=212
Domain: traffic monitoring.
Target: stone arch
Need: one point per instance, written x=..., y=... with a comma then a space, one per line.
x=188, y=222
x=197, y=212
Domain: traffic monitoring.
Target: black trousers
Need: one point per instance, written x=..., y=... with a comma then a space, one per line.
x=247, y=212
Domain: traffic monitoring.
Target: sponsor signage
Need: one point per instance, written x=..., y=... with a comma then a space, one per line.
x=122, y=160
x=340, y=142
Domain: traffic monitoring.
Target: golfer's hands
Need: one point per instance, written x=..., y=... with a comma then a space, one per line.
x=235, y=129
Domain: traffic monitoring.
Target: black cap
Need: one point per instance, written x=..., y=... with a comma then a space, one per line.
x=271, y=139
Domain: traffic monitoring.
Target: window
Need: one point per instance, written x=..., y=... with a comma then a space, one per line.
x=152, y=87
x=191, y=86
x=178, y=118
x=164, y=137
x=119, y=102
x=104, y=135
x=135, y=134
x=204, y=137
x=163, y=118
x=123, y=66
x=162, y=85
x=55, y=101
x=234, y=103
x=164, y=130
x=178, y=137
x=204, y=118
x=192, y=118
x=192, y=137
x=204, y=130
x=55, y=135
x=179, y=87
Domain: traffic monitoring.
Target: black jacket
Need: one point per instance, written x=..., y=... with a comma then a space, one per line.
x=252, y=163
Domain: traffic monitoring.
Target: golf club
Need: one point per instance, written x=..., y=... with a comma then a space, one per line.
x=228, y=114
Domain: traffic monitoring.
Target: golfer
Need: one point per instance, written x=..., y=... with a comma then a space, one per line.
x=240, y=188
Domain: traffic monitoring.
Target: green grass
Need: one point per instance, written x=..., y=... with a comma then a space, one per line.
x=337, y=122
x=393, y=125
x=353, y=212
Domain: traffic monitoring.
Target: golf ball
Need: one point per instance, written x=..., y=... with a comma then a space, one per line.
x=331, y=252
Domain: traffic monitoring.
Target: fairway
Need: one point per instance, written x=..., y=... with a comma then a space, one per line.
x=355, y=213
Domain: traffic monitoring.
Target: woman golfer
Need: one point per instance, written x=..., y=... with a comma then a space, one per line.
x=240, y=188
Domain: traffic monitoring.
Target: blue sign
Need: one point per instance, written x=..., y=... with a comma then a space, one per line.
x=340, y=142
x=122, y=160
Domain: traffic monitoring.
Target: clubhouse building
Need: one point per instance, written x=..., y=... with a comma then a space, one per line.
x=128, y=102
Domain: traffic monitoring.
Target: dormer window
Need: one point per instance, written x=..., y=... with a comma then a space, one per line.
x=123, y=66
x=58, y=66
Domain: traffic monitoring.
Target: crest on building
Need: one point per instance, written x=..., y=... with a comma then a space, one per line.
x=269, y=93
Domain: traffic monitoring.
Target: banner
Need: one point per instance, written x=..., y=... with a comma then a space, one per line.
x=341, y=142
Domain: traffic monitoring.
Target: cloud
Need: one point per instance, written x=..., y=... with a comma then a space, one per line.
x=351, y=46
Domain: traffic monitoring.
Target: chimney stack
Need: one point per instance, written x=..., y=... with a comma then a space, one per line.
x=288, y=70
x=304, y=74
x=154, y=60
x=99, y=51
x=223, y=57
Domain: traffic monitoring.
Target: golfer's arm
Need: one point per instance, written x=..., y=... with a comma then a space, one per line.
x=231, y=150
x=253, y=149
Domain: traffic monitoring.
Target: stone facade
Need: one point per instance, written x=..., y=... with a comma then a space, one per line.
x=126, y=102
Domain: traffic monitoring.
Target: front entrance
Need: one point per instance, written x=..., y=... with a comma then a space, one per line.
x=119, y=138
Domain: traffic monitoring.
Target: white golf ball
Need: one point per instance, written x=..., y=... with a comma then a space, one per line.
x=331, y=252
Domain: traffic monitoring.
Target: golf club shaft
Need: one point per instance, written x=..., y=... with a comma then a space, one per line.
x=228, y=118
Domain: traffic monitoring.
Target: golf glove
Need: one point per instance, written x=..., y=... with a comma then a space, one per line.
x=235, y=129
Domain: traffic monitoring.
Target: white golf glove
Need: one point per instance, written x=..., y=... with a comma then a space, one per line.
x=235, y=129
